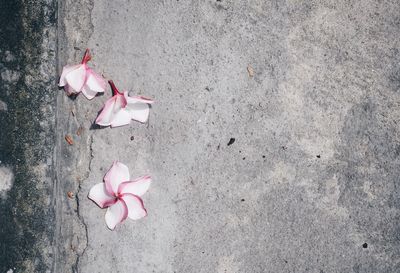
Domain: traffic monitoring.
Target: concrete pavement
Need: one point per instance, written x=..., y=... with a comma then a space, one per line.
x=309, y=185
x=306, y=94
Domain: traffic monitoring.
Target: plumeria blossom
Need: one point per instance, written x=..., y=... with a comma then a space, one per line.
x=121, y=109
x=81, y=78
x=120, y=195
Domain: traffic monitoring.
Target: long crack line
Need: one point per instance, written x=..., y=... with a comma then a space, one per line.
x=75, y=267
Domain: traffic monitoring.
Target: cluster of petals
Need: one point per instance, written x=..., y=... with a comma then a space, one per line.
x=121, y=196
x=122, y=108
x=81, y=78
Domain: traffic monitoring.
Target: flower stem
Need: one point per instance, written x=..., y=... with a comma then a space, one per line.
x=114, y=88
x=87, y=57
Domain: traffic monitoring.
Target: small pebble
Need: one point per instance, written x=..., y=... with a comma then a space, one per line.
x=231, y=141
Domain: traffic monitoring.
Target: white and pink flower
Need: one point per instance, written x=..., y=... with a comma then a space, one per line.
x=121, y=109
x=120, y=196
x=80, y=78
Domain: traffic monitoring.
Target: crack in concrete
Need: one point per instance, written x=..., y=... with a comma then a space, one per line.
x=75, y=267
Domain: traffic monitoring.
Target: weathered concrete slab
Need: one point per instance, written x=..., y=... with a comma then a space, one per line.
x=310, y=183
x=308, y=91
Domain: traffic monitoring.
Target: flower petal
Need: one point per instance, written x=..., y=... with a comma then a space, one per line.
x=117, y=174
x=106, y=115
x=67, y=69
x=89, y=93
x=76, y=78
x=138, y=111
x=95, y=82
x=116, y=214
x=138, y=107
x=110, y=110
x=122, y=117
x=135, y=206
x=120, y=102
x=100, y=196
x=135, y=99
x=137, y=187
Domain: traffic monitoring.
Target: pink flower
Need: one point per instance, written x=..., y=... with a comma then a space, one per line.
x=121, y=109
x=119, y=195
x=77, y=78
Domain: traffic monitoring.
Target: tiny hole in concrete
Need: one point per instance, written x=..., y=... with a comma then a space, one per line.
x=365, y=245
x=231, y=141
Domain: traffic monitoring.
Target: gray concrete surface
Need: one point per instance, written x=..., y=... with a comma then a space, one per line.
x=311, y=182
x=313, y=173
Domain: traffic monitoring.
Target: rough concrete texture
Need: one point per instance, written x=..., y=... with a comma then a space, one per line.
x=310, y=183
x=27, y=119
x=305, y=92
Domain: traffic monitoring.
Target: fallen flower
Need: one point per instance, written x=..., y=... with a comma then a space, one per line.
x=81, y=78
x=121, y=109
x=119, y=195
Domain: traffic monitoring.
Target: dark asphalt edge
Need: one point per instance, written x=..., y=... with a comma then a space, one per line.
x=55, y=199
x=27, y=138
